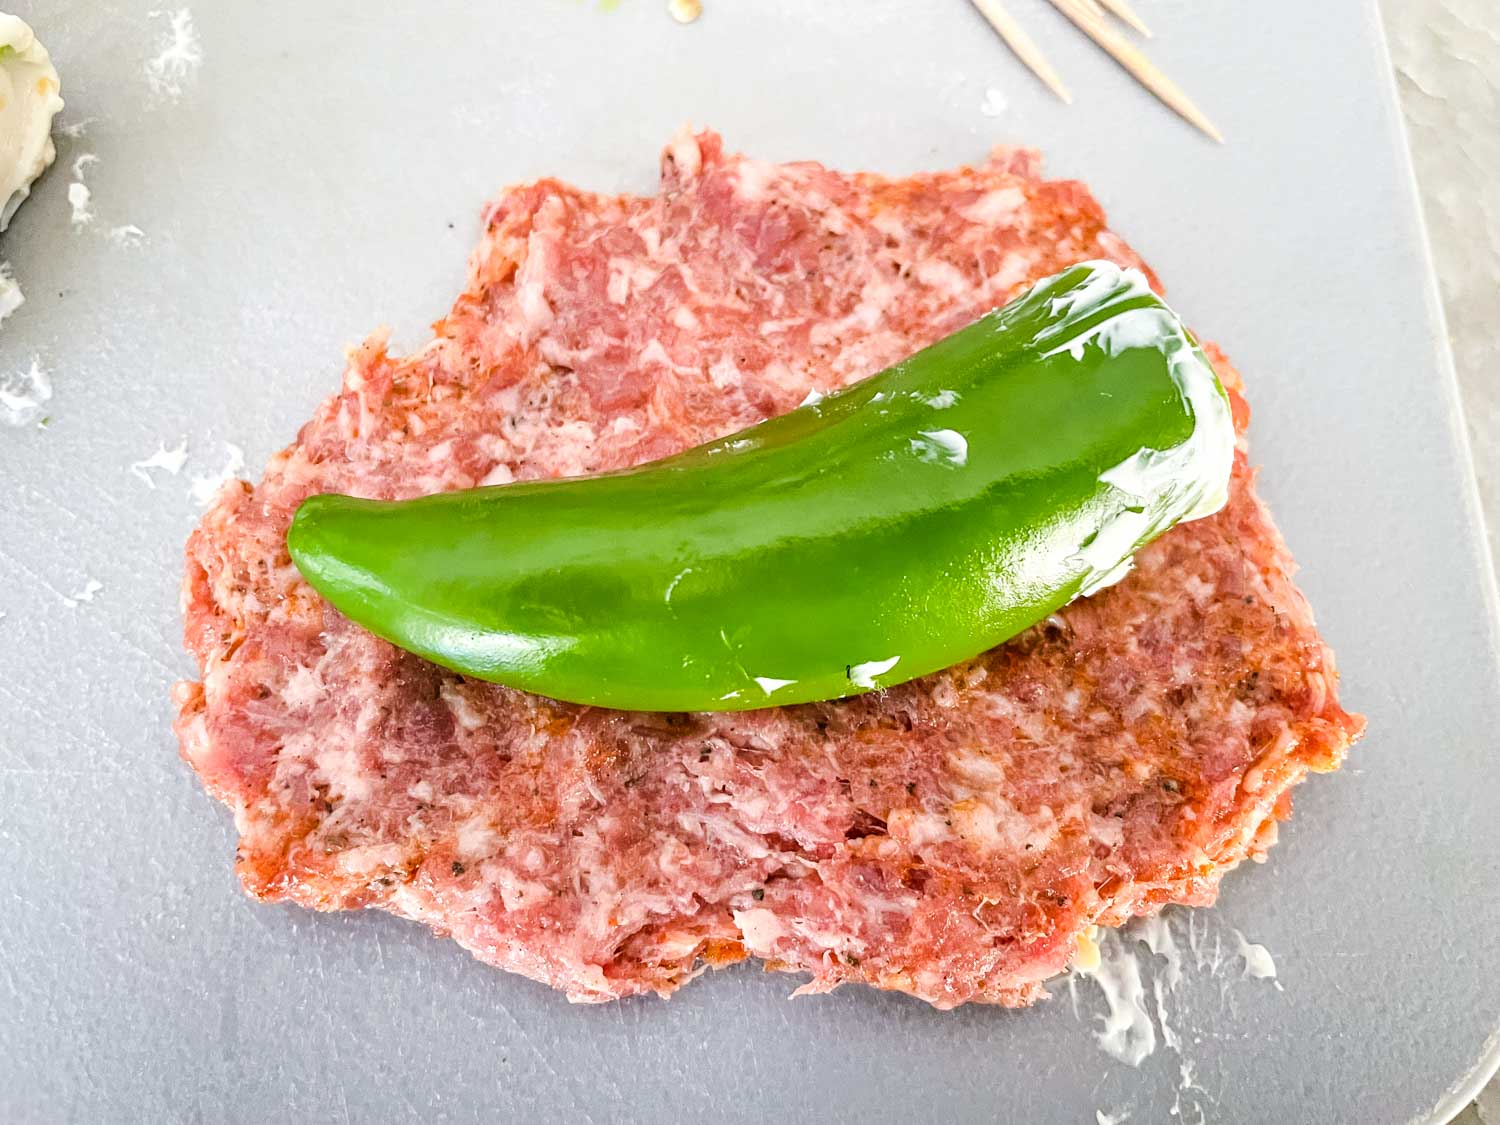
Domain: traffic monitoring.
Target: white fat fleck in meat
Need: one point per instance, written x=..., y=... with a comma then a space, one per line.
x=650, y=238
x=476, y=838
x=986, y=822
x=370, y=714
x=993, y=823
x=465, y=714
x=684, y=318
x=753, y=180
x=618, y=288
x=997, y=206
x=890, y=224
x=944, y=693
x=760, y=929
x=778, y=375
x=977, y=770
x=1107, y=830
x=673, y=858
x=655, y=352
x=628, y=276
x=755, y=810
x=876, y=296
x=499, y=474
x=943, y=276
x=370, y=858
x=344, y=773
x=516, y=891
x=676, y=944
x=722, y=826
x=1240, y=715
x=777, y=327
x=567, y=449
x=531, y=289
x=304, y=688
x=725, y=373
x=421, y=791
x=835, y=221
x=1014, y=269
x=597, y=983
x=685, y=154
x=1198, y=589
x=919, y=829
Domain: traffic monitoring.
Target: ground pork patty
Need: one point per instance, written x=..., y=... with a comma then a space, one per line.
x=951, y=838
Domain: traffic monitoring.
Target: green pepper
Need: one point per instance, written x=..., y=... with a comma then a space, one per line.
x=897, y=527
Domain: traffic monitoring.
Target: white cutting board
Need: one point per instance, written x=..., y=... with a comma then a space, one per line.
x=321, y=173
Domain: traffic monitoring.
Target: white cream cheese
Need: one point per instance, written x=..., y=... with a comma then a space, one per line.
x=178, y=59
x=1259, y=964
x=168, y=460
x=863, y=675
x=24, y=393
x=1127, y=1033
x=29, y=101
x=948, y=447
x=11, y=297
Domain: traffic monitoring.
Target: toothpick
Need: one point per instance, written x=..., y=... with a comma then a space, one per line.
x=1023, y=45
x=1126, y=14
x=1140, y=67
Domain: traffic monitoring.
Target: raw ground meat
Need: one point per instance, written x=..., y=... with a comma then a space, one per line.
x=953, y=838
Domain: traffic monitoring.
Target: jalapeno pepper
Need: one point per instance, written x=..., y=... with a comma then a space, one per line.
x=899, y=526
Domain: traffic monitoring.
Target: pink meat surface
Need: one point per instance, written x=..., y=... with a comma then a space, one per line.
x=951, y=838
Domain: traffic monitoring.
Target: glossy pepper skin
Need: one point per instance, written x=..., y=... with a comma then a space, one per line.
x=895, y=528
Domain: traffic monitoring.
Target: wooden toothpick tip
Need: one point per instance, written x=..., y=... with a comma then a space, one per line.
x=1126, y=14
x=1022, y=45
x=1140, y=67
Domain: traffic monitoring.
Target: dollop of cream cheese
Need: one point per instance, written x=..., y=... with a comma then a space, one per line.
x=29, y=100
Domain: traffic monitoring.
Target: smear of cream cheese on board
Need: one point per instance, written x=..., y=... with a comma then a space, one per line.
x=1143, y=1007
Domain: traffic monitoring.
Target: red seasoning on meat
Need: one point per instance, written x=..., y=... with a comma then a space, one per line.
x=952, y=838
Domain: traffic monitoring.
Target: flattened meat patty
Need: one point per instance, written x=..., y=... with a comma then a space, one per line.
x=952, y=838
